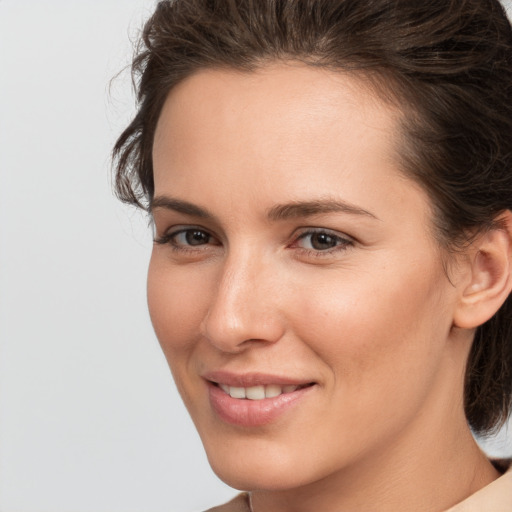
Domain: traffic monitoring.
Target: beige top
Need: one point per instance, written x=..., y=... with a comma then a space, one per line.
x=238, y=504
x=495, y=497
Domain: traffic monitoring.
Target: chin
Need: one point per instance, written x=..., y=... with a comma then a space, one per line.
x=246, y=478
x=261, y=467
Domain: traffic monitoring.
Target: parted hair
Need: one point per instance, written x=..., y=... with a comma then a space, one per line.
x=445, y=64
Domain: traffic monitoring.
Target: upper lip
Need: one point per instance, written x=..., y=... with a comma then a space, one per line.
x=245, y=380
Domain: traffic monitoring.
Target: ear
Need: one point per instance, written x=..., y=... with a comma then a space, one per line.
x=489, y=275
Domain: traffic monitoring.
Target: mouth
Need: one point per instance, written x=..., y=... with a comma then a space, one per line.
x=254, y=400
x=260, y=392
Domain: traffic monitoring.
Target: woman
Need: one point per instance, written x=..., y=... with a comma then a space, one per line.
x=331, y=190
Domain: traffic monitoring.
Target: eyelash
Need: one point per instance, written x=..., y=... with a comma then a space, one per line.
x=342, y=243
x=170, y=239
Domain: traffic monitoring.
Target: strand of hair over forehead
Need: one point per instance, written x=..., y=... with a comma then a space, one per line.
x=279, y=29
x=406, y=40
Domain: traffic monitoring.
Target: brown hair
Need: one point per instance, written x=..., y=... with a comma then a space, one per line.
x=446, y=63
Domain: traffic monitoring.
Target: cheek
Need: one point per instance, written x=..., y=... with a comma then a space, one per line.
x=177, y=302
x=382, y=328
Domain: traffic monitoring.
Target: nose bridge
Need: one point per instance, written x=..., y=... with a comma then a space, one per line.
x=243, y=306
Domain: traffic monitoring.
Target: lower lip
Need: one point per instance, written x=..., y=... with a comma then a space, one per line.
x=253, y=413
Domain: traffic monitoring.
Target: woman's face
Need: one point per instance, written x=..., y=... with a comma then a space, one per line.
x=296, y=266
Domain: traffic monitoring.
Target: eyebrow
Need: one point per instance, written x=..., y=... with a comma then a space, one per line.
x=298, y=209
x=177, y=205
x=292, y=210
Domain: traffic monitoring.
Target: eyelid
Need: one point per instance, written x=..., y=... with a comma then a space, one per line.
x=173, y=231
x=344, y=242
x=302, y=232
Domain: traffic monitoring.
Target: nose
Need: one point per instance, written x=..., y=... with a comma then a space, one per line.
x=245, y=308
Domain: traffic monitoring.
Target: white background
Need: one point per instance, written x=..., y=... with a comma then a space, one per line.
x=89, y=417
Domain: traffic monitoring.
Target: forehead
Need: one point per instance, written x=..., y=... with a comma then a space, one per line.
x=286, y=132
x=295, y=90
x=278, y=115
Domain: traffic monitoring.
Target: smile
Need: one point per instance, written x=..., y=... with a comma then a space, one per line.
x=258, y=392
x=254, y=400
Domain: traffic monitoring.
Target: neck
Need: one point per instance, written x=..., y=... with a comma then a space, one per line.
x=430, y=478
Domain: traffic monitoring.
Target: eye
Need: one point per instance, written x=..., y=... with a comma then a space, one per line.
x=192, y=237
x=187, y=239
x=321, y=241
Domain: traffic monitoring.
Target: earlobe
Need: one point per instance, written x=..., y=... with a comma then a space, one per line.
x=490, y=270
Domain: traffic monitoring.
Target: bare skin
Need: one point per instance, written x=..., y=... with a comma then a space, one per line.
x=291, y=245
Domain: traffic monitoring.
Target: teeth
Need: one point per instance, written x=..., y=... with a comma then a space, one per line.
x=272, y=390
x=237, y=392
x=257, y=392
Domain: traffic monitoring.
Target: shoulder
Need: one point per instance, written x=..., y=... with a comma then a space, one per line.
x=238, y=504
x=495, y=497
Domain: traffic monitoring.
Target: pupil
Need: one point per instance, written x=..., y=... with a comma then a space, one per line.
x=321, y=241
x=197, y=237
